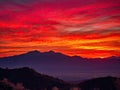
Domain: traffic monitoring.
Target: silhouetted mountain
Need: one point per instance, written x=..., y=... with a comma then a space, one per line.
x=104, y=83
x=31, y=79
x=63, y=66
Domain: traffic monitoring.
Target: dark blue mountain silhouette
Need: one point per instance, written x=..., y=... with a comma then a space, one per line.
x=63, y=66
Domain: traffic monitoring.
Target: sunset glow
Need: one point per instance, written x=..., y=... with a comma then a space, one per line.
x=74, y=27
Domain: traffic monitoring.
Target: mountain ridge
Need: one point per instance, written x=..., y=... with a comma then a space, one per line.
x=33, y=52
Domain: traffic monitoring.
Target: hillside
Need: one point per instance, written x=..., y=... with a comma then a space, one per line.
x=31, y=79
x=101, y=83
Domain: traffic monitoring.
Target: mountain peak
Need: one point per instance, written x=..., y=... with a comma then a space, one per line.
x=51, y=51
x=34, y=52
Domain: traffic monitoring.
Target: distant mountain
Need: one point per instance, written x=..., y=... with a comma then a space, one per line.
x=30, y=79
x=63, y=66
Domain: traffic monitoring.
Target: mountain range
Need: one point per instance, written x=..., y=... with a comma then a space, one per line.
x=64, y=66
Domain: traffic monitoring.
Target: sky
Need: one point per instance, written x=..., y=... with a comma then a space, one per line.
x=87, y=28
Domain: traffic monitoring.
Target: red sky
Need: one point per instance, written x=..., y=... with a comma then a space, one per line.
x=88, y=28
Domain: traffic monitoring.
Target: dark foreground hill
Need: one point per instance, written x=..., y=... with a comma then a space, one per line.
x=31, y=79
x=104, y=83
x=28, y=79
